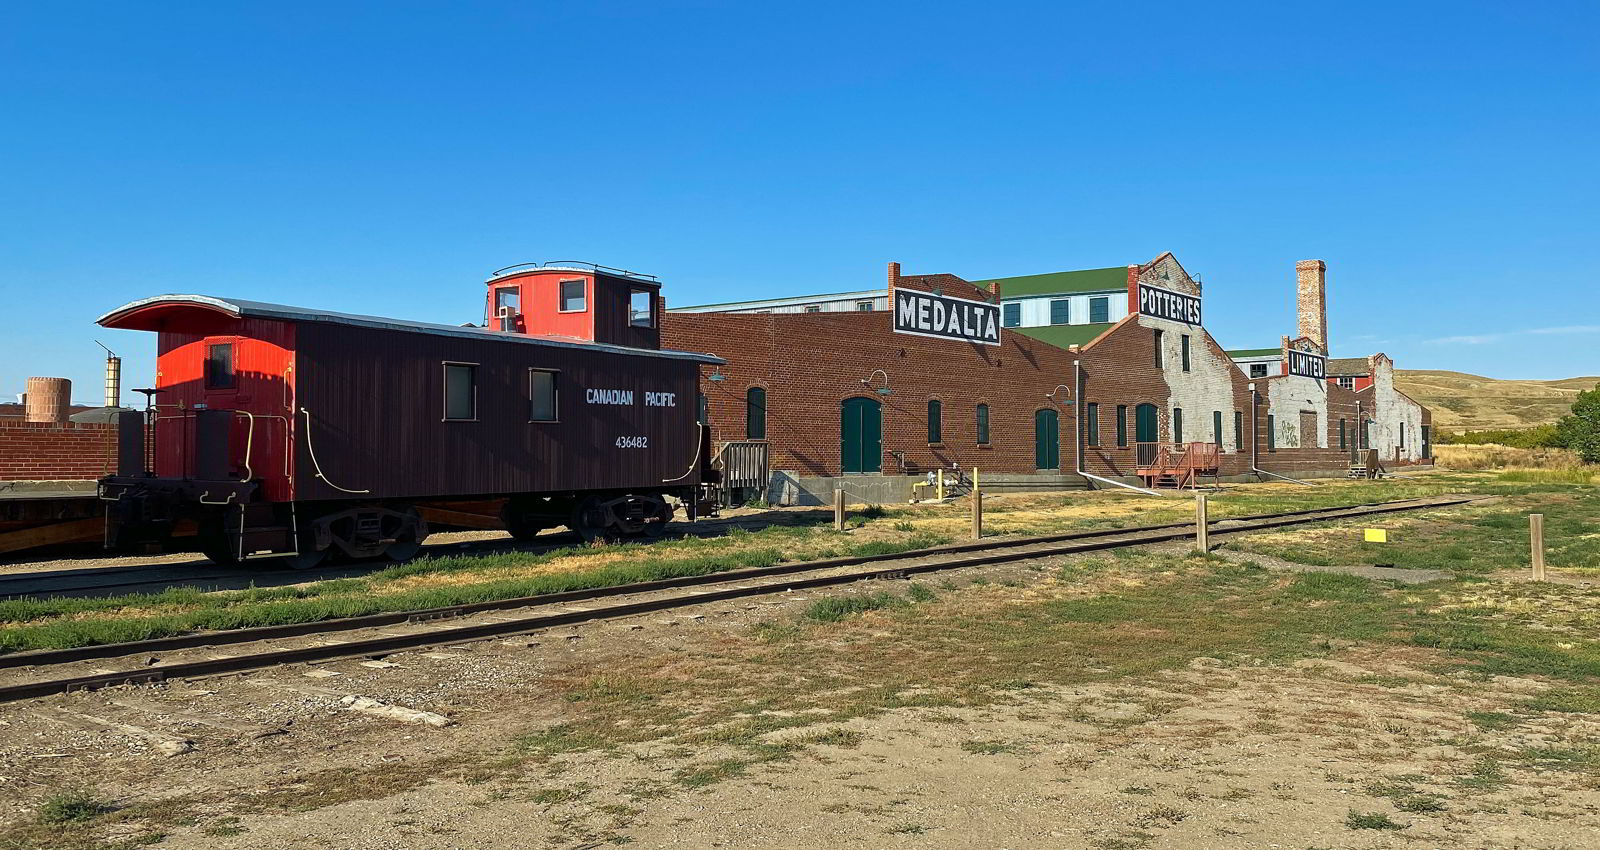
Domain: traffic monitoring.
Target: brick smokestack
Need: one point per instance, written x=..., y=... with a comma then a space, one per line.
x=1311, y=277
x=47, y=400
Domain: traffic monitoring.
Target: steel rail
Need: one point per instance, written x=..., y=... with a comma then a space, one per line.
x=207, y=573
x=1007, y=551
x=246, y=635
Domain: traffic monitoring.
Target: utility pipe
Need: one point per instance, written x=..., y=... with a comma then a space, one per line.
x=1077, y=429
x=1255, y=401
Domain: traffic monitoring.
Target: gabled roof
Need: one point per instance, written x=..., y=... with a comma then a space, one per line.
x=1061, y=283
x=1062, y=336
x=1349, y=367
x=1254, y=352
x=145, y=314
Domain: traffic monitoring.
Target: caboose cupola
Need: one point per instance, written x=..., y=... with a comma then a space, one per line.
x=576, y=301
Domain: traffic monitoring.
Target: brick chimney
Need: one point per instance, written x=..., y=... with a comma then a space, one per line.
x=1312, y=303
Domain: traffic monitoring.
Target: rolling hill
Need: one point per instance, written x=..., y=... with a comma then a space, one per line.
x=1463, y=402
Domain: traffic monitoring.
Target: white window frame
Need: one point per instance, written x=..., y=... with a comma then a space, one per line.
x=561, y=296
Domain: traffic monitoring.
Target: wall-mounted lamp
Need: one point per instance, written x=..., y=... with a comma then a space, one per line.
x=883, y=390
x=1052, y=394
x=716, y=375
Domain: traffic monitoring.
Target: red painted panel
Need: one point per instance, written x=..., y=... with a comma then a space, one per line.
x=263, y=393
x=540, y=294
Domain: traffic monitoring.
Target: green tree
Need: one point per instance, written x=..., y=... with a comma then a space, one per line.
x=1580, y=431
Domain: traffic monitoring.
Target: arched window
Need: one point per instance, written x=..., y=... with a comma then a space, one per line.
x=983, y=424
x=935, y=421
x=755, y=413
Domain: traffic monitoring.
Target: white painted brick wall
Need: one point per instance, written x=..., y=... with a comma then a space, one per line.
x=1287, y=397
x=1392, y=410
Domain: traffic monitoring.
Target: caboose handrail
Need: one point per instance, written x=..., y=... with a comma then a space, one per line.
x=699, y=446
x=311, y=453
x=582, y=264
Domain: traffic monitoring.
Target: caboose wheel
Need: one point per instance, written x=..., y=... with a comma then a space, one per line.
x=526, y=516
x=591, y=519
x=214, y=543
x=408, y=539
x=655, y=522
x=307, y=559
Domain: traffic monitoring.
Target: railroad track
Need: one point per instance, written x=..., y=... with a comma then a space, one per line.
x=203, y=575
x=438, y=626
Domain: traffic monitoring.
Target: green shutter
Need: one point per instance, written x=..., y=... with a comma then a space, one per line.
x=983, y=424
x=860, y=435
x=755, y=413
x=1122, y=426
x=1093, y=415
x=935, y=421
x=1216, y=426
x=1177, y=424
x=1046, y=439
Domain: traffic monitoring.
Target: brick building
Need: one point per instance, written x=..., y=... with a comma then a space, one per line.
x=842, y=399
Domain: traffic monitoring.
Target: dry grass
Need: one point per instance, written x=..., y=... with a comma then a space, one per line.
x=1472, y=402
x=1491, y=456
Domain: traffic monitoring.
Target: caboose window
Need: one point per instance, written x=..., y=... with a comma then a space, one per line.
x=542, y=396
x=460, y=391
x=219, y=366
x=574, y=296
x=641, y=308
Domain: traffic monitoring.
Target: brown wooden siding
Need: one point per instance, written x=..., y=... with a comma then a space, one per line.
x=376, y=402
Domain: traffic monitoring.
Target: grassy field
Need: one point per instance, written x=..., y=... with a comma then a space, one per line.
x=1123, y=632
x=439, y=581
x=1463, y=402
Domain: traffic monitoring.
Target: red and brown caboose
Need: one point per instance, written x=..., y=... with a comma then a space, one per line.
x=293, y=432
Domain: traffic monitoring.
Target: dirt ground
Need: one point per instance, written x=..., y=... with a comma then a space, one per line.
x=969, y=719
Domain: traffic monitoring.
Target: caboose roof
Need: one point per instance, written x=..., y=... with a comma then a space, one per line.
x=145, y=313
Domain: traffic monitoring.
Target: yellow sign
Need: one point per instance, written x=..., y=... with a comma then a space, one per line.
x=1377, y=535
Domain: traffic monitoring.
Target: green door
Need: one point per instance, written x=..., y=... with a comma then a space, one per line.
x=1146, y=433
x=860, y=435
x=1146, y=428
x=1046, y=439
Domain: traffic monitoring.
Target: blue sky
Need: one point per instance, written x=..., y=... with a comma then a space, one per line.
x=381, y=158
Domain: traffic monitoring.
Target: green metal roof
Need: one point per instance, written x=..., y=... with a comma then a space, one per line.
x=1057, y=283
x=1255, y=352
x=1062, y=336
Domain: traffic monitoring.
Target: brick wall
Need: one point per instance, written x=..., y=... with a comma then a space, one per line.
x=43, y=451
x=809, y=363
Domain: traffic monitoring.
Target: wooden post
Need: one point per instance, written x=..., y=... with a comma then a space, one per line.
x=1202, y=536
x=838, y=510
x=1536, y=538
x=977, y=514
